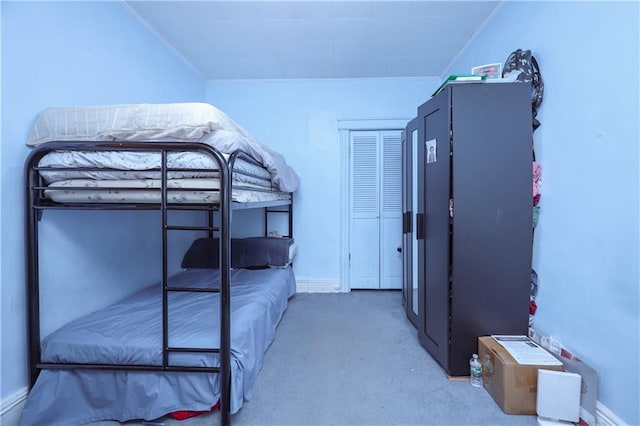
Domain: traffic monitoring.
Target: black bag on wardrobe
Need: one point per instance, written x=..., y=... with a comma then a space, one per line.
x=523, y=67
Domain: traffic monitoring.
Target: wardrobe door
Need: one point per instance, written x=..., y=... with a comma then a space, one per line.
x=434, y=190
x=492, y=232
x=410, y=207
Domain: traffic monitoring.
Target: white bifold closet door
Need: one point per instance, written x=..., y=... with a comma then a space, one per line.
x=375, y=237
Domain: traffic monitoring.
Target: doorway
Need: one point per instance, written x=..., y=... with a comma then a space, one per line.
x=374, y=224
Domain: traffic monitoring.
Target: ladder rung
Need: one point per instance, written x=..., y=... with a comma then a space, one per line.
x=191, y=228
x=194, y=350
x=193, y=290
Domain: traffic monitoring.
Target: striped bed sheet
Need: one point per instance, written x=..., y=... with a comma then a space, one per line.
x=191, y=191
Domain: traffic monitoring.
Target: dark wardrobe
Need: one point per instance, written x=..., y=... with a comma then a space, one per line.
x=468, y=221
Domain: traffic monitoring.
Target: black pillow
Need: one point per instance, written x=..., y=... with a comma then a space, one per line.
x=260, y=251
x=253, y=252
x=203, y=253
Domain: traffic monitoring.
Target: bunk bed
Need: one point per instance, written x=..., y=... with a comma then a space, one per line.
x=170, y=346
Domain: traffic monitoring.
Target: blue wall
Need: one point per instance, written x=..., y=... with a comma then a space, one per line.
x=586, y=243
x=74, y=53
x=300, y=120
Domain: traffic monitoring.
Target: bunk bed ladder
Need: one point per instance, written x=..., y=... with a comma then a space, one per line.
x=224, y=351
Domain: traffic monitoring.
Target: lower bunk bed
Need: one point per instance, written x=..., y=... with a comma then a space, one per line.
x=130, y=332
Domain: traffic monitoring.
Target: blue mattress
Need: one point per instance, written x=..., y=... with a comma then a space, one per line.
x=130, y=332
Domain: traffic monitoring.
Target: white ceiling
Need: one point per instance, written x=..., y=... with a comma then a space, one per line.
x=315, y=39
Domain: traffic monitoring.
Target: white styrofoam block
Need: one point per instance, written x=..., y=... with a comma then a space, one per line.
x=558, y=395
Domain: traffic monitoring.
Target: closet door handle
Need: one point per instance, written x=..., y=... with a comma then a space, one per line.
x=420, y=226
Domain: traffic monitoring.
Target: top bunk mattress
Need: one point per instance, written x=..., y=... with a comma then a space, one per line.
x=177, y=122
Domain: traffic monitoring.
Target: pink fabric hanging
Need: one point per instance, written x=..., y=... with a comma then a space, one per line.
x=537, y=174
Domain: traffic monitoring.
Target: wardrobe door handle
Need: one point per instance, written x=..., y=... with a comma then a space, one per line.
x=406, y=222
x=420, y=226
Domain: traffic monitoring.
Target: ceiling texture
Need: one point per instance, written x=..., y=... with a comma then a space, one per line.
x=315, y=39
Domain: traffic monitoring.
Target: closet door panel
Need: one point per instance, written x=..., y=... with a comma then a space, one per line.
x=391, y=257
x=391, y=208
x=365, y=221
x=365, y=253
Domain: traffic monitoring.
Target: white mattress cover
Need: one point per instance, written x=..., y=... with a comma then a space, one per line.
x=190, y=122
x=200, y=191
x=282, y=175
x=180, y=121
x=137, y=165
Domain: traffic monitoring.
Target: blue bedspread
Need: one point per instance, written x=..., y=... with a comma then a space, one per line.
x=130, y=332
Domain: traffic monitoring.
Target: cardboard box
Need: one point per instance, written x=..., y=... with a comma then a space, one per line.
x=513, y=386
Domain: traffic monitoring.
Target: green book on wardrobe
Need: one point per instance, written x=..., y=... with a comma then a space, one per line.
x=460, y=78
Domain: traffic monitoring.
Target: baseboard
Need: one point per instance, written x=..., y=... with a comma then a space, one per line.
x=11, y=407
x=605, y=417
x=317, y=285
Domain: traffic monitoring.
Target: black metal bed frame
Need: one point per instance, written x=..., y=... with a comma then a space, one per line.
x=36, y=203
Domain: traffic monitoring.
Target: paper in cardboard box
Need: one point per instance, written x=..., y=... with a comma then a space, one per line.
x=512, y=385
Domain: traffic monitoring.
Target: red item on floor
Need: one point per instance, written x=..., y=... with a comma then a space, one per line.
x=182, y=415
x=532, y=307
